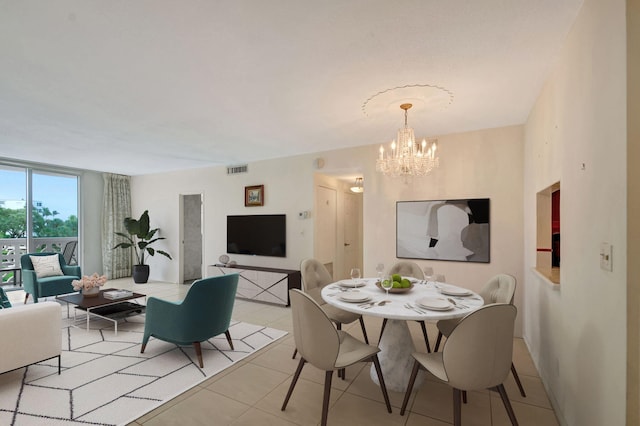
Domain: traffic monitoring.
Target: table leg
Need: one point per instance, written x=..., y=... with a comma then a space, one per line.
x=396, y=347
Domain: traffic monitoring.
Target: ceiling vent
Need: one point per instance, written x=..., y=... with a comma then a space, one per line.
x=232, y=170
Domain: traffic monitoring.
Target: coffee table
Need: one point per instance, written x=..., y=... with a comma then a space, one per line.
x=101, y=307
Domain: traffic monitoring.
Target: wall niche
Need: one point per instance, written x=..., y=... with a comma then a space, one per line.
x=548, y=233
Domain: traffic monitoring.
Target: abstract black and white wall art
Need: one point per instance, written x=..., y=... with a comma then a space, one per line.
x=455, y=230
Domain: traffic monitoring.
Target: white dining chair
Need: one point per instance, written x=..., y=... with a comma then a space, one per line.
x=314, y=277
x=408, y=269
x=326, y=348
x=476, y=356
x=499, y=289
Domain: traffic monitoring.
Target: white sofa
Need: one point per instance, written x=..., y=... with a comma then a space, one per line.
x=30, y=334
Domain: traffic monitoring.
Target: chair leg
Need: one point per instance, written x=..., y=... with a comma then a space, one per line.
x=59, y=364
x=341, y=372
x=507, y=404
x=384, y=324
x=293, y=383
x=26, y=296
x=435, y=349
x=226, y=333
x=364, y=331
x=385, y=394
x=295, y=352
x=327, y=393
x=424, y=333
x=412, y=380
x=515, y=376
x=142, y=348
x=457, y=408
x=196, y=346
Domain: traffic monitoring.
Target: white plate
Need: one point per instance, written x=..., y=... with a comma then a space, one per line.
x=351, y=283
x=435, y=303
x=354, y=297
x=454, y=291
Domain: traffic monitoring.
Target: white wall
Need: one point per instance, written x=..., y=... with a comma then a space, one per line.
x=485, y=163
x=577, y=334
x=288, y=189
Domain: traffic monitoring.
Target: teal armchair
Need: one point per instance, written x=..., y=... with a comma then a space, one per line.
x=48, y=286
x=204, y=313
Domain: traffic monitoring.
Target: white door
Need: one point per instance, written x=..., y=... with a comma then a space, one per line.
x=326, y=225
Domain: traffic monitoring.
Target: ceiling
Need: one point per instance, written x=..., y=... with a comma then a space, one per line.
x=146, y=86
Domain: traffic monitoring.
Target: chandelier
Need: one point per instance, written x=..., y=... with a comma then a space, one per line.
x=406, y=158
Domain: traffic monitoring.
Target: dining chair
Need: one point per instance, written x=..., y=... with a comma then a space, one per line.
x=408, y=269
x=326, y=348
x=69, y=252
x=476, y=356
x=499, y=289
x=314, y=277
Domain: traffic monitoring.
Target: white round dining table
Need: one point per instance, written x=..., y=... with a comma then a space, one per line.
x=396, y=344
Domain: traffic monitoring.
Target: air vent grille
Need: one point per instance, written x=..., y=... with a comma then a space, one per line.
x=232, y=170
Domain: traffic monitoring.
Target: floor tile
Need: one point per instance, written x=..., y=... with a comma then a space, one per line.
x=248, y=384
x=199, y=409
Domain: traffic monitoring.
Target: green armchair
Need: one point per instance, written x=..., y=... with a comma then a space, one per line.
x=48, y=286
x=205, y=312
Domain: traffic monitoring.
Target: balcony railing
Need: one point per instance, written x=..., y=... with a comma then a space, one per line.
x=12, y=248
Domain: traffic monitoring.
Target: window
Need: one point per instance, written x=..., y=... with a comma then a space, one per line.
x=52, y=221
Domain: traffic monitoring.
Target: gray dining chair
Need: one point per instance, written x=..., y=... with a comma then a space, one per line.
x=314, y=277
x=476, y=356
x=499, y=289
x=408, y=269
x=326, y=348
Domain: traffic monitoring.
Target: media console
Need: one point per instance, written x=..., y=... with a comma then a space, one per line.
x=269, y=285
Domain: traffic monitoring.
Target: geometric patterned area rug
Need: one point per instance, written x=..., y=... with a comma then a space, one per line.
x=105, y=380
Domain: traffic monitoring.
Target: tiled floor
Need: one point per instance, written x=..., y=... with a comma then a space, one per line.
x=251, y=392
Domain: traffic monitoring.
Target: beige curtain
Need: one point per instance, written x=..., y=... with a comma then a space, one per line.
x=116, y=206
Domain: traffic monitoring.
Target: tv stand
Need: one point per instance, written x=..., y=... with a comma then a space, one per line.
x=260, y=284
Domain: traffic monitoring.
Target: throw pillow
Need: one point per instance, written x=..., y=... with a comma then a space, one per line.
x=46, y=266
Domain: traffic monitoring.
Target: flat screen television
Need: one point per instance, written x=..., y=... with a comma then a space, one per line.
x=257, y=235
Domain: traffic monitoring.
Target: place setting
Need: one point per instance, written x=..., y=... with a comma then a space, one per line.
x=354, y=297
x=434, y=304
x=356, y=280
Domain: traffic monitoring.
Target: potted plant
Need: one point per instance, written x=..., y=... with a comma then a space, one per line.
x=140, y=237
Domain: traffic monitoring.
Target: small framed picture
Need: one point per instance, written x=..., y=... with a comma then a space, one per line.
x=254, y=195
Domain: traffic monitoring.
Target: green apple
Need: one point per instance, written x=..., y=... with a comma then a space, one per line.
x=405, y=283
x=396, y=277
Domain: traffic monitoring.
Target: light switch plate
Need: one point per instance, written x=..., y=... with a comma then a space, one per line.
x=606, y=259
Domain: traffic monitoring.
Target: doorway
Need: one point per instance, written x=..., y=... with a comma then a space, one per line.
x=338, y=231
x=352, y=226
x=191, y=251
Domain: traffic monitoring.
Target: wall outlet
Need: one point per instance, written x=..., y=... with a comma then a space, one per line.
x=606, y=259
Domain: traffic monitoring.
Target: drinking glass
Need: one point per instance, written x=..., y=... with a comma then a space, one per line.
x=355, y=273
x=387, y=284
x=438, y=278
x=380, y=270
x=428, y=273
